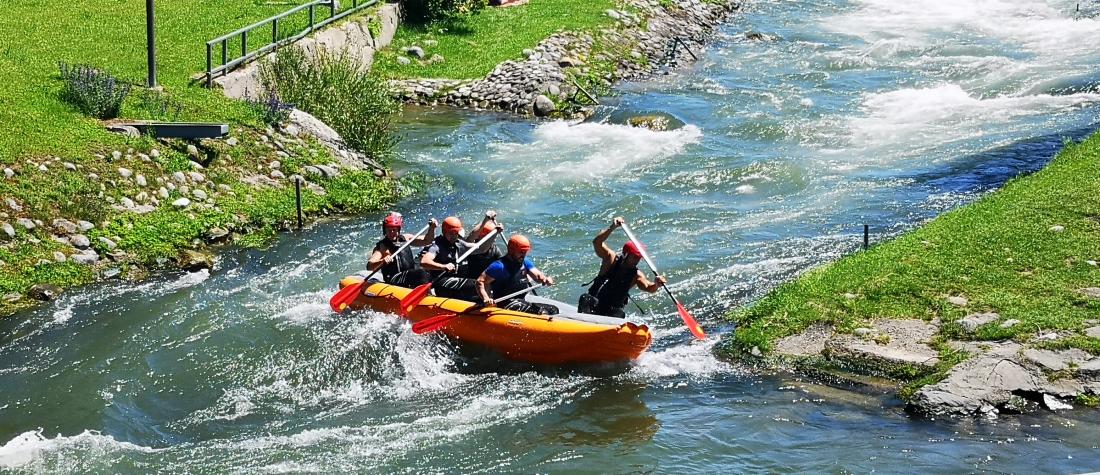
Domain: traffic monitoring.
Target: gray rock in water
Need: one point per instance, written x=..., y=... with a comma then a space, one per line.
x=971, y=322
x=111, y=273
x=1054, y=403
x=216, y=235
x=544, y=106
x=415, y=51
x=44, y=292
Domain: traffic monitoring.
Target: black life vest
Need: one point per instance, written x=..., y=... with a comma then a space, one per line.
x=478, y=262
x=402, y=261
x=612, y=288
x=516, y=280
x=448, y=253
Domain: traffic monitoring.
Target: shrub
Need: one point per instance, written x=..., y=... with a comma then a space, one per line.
x=427, y=11
x=269, y=108
x=92, y=91
x=333, y=88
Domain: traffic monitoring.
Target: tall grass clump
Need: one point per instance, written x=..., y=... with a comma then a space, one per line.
x=427, y=11
x=334, y=88
x=270, y=108
x=93, y=91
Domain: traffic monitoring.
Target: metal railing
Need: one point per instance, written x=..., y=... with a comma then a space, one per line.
x=229, y=61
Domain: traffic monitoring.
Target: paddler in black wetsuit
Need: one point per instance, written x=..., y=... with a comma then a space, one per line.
x=479, y=261
x=401, y=268
x=509, y=274
x=618, y=274
x=441, y=255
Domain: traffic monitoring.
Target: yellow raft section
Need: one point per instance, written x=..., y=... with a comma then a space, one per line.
x=540, y=339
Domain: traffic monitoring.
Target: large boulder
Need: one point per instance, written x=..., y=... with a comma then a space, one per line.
x=44, y=292
x=191, y=260
x=544, y=106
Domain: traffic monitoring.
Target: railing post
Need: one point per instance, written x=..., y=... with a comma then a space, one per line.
x=275, y=30
x=331, y=8
x=244, y=43
x=311, y=16
x=209, y=65
x=225, y=51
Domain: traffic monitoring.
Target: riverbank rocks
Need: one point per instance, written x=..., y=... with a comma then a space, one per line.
x=882, y=347
x=971, y=322
x=44, y=292
x=191, y=260
x=546, y=70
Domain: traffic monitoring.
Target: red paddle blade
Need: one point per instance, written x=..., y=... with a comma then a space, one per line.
x=344, y=297
x=433, y=323
x=413, y=298
x=690, y=322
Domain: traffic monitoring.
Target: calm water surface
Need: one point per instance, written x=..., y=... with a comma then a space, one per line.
x=878, y=112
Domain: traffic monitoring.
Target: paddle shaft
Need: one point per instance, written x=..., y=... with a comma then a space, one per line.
x=688, y=319
x=398, y=251
x=518, y=293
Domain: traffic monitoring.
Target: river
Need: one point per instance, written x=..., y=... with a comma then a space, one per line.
x=847, y=113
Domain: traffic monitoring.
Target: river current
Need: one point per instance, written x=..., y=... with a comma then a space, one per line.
x=847, y=113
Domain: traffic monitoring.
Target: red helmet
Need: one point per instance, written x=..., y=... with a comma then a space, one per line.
x=452, y=224
x=631, y=249
x=485, y=230
x=519, y=243
x=394, y=220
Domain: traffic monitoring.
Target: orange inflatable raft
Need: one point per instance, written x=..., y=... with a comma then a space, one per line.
x=567, y=338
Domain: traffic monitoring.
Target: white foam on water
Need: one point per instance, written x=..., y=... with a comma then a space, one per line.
x=695, y=359
x=916, y=120
x=563, y=153
x=30, y=449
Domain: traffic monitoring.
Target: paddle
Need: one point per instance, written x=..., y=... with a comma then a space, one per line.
x=688, y=319
x=347, y=295
x=413, y=298
x=439, y=321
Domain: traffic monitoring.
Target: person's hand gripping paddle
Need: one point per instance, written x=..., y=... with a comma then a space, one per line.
x=413, y=298
x=688, y=319
x=348, y=294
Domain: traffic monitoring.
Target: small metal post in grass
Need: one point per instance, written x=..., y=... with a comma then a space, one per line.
x=150, y=42
x=866, y=236
x=298, y=199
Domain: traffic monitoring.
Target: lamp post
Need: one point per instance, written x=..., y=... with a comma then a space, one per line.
x=150, y=41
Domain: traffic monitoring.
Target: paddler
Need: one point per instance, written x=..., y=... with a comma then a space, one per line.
x=510, y=274
x=618, y=274
x=479, y=261
x=441, y=255
x=400, y=268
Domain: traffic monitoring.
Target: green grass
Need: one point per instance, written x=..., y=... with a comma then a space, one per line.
x=998, y=252
x=474, y=45
x=111, y=36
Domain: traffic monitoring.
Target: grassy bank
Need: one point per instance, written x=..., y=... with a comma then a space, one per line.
x=1023, y=252
x=472, y=46
x=64, y=165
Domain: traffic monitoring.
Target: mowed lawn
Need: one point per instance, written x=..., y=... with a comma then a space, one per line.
x=472, y=47
x=108, y=34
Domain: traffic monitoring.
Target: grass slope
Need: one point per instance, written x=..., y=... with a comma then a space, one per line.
x=999, y=252
x=474, y=45
x=111, y=36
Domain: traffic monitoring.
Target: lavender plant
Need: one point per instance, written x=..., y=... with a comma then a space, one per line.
x=93, y=91
x=272, y=110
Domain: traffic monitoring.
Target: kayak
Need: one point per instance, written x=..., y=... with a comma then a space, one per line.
x=566, y=338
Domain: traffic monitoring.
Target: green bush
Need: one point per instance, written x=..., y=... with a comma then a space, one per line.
x=332, y=87
x=427, y=11
x=92, y=91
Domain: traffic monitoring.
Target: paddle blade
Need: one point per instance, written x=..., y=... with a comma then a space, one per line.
x=433, y=323
x=690, y=322
x=345, y=297
x=413, y=298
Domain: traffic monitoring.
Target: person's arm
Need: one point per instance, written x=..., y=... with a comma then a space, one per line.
x=376, y=260
x=483, y=283
x=535, y=273
x=599, y=243
x=644, y=283
x=428, y=236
